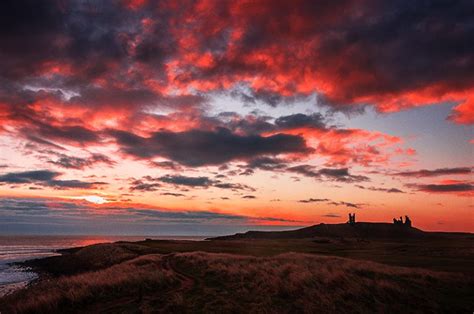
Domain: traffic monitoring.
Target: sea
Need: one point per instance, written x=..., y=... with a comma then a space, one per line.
x=21, y=248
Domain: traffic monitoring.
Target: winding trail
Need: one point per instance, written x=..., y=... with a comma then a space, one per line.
x=160, y=300
x=154, y=301
x=187, y=282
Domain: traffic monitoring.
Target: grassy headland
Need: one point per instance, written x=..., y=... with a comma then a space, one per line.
x=257, y=274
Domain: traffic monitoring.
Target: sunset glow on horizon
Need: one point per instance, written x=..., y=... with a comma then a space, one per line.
x=212, y=117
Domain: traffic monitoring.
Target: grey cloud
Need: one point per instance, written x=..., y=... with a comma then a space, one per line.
x=372, y=188
x=196, y=148
x=149, y=183
x=336, y=174
x=71, y=162
x=46, y=178
x=434, y=172
x=314, y=200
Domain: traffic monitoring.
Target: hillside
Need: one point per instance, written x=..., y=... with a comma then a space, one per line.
x=363, y=230
x=201, y=282
x=315, y=269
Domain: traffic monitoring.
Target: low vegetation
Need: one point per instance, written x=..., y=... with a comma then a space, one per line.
x=211, y=282
x=302, y=283
x=119, y=284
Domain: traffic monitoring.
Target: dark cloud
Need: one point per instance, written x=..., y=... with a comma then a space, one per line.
x=372, y=188
x=443, y=188
x=331, y=215
x=69, y=134
x=139, y=185
x=333, y=174
x=249, y=197
x=70, y=162
x=249, y=125
x=137, y=98
x=172, y=194
x=306, y=170
x=187, y=181
x=233, y=186
x=280, y=165
x=26, y=26
x=267, y=163
x=46, y=178
x=268, y=97
x=246, y=172
x=149, y=183
x=300, y=120
x=330, y=202
x=74, y=184
x=105, y=97
x=165, y=165
x=186, y=215
x=257, y=124
x=196, y=148
x=314, y=200
x=342, y=174
x=44, y=142
x=29, y=205
x=346, y=204
x=28, y=176
x=81, y=34
x=435, y=172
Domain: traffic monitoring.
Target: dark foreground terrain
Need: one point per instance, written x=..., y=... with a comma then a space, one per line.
x=269, y=274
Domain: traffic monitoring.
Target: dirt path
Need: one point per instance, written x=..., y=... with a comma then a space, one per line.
x=165, y=301
x=157, y=301
x=187, y=282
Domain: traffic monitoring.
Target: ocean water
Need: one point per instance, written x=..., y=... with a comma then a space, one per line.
x=21, y=248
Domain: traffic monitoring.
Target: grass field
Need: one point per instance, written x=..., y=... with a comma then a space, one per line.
x=263, y=276
x=364, y=268
x=215, y=282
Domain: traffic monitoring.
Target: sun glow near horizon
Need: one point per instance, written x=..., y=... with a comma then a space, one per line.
x=95, y=199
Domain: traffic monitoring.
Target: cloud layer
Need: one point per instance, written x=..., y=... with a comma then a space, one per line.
x=45, y=178
x=153, y=101
x=198, y=148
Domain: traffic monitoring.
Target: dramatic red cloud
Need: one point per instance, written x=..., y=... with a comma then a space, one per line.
x=356, y=146
x=143, y=86
x=305, y=47
x=352, y=53
x=464, y=112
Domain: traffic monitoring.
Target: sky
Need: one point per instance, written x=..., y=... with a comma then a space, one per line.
x=208, y=117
